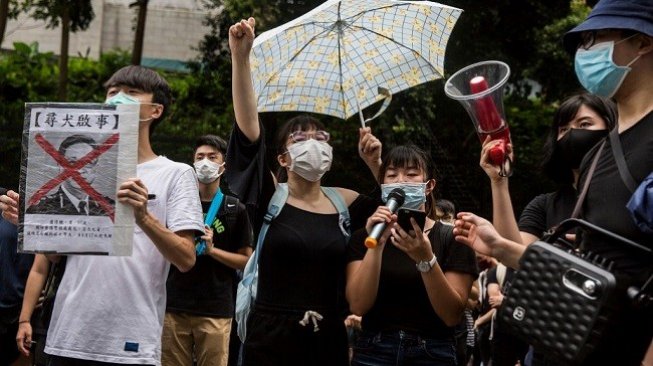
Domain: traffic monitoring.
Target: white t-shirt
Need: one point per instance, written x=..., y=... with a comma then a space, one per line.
x=111, y=309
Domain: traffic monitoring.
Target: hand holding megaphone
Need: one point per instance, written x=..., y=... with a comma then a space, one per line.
x=479, y=88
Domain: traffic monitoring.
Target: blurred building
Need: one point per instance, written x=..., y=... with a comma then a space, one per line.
x=173, y=29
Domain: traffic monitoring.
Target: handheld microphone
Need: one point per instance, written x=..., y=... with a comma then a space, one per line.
x=395, y=200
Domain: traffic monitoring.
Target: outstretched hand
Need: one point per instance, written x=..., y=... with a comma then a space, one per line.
x=241, y=38
x=477, y=233
x=480, y=235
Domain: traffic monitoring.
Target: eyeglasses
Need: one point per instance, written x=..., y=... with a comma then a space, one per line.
x=588, y=39
x=319, y=135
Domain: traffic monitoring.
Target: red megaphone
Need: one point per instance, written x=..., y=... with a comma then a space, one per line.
x=479, y=88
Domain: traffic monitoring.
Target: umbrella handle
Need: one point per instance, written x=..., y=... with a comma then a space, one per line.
x=387, y=96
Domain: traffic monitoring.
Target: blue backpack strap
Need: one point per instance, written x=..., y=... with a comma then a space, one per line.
x=343, y=211
x=277, y=201
x=247, y=288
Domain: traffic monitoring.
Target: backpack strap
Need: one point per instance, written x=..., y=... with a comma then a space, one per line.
x=344, y=221
x=501, y=275
x=277, y=202
x=231, y=212
x=622, y=166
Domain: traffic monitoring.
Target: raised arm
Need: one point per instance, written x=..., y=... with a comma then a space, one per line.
x=503, y=216
x=241, y=38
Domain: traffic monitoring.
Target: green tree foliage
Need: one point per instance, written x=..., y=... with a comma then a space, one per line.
x=524, y=33
x=73, y=16
x=551, y=64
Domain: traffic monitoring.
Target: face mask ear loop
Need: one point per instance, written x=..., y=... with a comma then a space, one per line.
x=634, y=60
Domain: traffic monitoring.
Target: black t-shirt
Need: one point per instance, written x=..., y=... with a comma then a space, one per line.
x=402, y=302
x=14, y=269
x=605, y=203
x=547, y=210
x=507, y=279
x=207, y=289
x=302, y=265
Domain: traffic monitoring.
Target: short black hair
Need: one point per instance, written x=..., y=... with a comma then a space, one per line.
x=409, y=155
x=146, y=80
x=212, y=140
x=446, y=206
x=76, y=139
x=605, y=108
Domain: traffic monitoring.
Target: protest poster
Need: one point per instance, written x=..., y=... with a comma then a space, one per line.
x=74, y=158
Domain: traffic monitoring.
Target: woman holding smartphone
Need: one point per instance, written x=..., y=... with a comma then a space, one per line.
x=411, y=289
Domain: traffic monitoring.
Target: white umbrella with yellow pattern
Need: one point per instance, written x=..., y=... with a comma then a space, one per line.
x=345, y=55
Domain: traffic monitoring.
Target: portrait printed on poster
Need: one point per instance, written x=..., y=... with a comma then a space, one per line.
x=74, y=158
x=89, y=193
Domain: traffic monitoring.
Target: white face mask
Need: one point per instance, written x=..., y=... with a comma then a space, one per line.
x=310, y=159
x=208, y=171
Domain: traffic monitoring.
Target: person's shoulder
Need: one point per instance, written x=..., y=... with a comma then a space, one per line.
x=166, y=163
x=348, y=195
x=542, y=199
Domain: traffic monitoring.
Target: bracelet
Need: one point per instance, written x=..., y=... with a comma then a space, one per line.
x=23, y=321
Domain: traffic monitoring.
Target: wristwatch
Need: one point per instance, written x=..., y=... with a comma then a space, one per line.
x=425, y=266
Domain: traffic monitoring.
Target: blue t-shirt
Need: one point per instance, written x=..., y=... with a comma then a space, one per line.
x=14, y=268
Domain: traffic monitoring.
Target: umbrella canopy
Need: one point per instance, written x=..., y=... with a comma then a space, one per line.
x=334, y=59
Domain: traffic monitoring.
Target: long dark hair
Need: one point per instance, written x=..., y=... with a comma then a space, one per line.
x=404, y=156
x=302, y=122
x=605, y=108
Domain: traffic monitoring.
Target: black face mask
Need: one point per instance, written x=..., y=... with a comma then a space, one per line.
x=573, y=146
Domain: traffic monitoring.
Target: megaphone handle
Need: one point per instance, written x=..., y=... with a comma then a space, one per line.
x=505, y=169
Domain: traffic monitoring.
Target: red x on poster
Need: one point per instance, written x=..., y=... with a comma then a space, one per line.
x=74, y=158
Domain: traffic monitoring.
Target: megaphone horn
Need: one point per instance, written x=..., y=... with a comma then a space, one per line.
x=479, y=88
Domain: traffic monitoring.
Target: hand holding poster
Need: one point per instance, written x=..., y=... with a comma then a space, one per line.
x=75, y=156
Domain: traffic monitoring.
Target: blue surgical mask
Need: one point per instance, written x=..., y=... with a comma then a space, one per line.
x=415, y=193
x=122, y=98
x=597, y=72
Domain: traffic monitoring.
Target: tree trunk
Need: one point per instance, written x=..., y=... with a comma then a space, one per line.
x=63, y=54
x=4, y=15
x=137, y=52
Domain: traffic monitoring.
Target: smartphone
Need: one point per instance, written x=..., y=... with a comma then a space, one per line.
x=404, y=215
